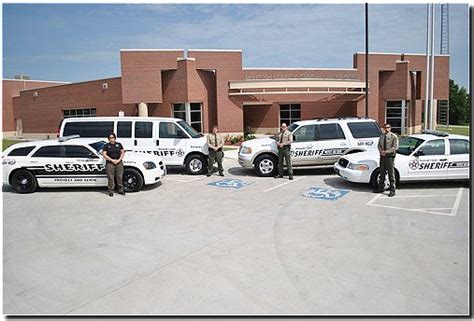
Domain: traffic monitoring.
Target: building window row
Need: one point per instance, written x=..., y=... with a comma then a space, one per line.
x=80, y=112
x=290, y=113
x=190, y=113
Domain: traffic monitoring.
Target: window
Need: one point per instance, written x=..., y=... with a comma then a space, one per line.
x=304, y=134
x=330, y=131
x=171, y=130
x=179, y=111
x=22, y=151
x=434, y=147
x=81, y=112
x=190, y=113
x=407, y=145
x=195, y=118
x=289, y=113
x=143, y=129
x=459, y=146
x=397, y=115
x=124, y=129
x=50, y=151
x=89, y=129
x=75, y=151
x=190, y=130
x=364, y=129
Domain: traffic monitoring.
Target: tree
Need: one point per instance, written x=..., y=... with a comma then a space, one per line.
x=459, y=111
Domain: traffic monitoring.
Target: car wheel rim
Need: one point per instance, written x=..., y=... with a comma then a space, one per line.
x=266, y=166
x=24, y=183
x=130, y=181
x=195, y=165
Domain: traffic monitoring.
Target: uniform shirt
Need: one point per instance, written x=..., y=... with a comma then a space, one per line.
x=391, y=141
x=285, y=137
x=214, y=139
x=113, y=150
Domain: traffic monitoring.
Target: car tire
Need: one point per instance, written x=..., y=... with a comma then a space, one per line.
x=24, y=182
x=196, y=164
x=266, y=165
x=132, y=180
x=374, y=179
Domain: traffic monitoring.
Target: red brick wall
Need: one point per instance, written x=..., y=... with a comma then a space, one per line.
x=261, y=116
x=141, y=74
x=11, y=88
x=44, y=113
x=328, y=109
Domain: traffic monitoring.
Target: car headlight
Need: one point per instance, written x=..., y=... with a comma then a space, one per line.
x=358, y=167
x=245, y=150
x=149, y=165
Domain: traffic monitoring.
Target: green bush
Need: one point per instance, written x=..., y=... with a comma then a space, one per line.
x=249, y=137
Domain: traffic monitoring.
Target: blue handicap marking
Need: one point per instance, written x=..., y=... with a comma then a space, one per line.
x=325, y=193
x=229, y=183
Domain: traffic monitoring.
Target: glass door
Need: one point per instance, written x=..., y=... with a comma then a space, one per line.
x=397, y=115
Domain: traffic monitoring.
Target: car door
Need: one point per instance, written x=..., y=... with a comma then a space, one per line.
x=48, y=165
x=88, y=168
x=172, y=145
x=429, y=161
x=143, y=139
x=458, y=158
x=331, y=143
x=303, y=148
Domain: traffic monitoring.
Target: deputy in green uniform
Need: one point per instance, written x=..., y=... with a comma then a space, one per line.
x=284, y=140
x=113, y=153
x=388, y=145
x=215, y=143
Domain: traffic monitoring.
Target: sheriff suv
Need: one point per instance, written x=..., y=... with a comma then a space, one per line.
x=315, y=142
x=428, y=156
x=73, y=161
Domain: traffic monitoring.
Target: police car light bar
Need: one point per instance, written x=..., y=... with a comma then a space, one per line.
x=66, y=138
x=435, y=133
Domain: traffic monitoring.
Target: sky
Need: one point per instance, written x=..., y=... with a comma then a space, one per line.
x=78, y=42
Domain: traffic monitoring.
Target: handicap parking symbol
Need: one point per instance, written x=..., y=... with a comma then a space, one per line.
x=229, y=183
x=325, y=193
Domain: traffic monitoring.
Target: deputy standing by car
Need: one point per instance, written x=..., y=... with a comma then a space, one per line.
x=215, y=143
x=284, y=140
x=113, y=153
x=388, y=145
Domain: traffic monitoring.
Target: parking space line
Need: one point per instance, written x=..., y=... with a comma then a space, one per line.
x=278, y=186
x=185, y=180
x=417, y=196
x=457, y=202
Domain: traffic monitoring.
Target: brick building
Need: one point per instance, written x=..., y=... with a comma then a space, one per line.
x=208, y=87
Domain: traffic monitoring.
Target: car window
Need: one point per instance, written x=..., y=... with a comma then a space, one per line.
x=407, y=145
x=330, y=131
x=98, y=146
x=22, y=151
x=191, y=131
x=143, y=129
x=433, y=147
x=171, y=130
x=304, y=134
x=367, y=129
x=49, y=151
x=459, y=146
x=124, y=129
x=292, y=127
x=89, y=128
x=76, y=151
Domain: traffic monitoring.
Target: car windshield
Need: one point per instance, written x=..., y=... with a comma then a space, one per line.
x=191, y=131
x=292, y=127
x=407, y=145
x=98, y=146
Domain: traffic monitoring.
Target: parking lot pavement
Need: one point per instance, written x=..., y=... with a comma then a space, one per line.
x=241, y=244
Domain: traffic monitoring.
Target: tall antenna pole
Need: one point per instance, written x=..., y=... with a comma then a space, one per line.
x=427, y=77
x=366, y=60
x=432, y=104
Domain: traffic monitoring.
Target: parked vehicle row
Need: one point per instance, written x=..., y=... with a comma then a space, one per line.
x=349, y=144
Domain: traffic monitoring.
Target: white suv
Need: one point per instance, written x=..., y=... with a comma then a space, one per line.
x=72, y=161
x=315, y=142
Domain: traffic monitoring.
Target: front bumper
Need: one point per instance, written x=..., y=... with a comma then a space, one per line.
x=245, y=160
x=152, y=176
x=351, y=175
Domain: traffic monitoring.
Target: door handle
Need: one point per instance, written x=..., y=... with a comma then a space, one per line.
x=33, y=162
x=157, y=142
x=135, y=142
x=443, y=160
x=70, y=162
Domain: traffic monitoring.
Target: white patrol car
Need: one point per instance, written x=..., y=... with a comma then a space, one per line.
x=315, y=142
x=422, y=157
x=173, y=139
x=72, y=161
